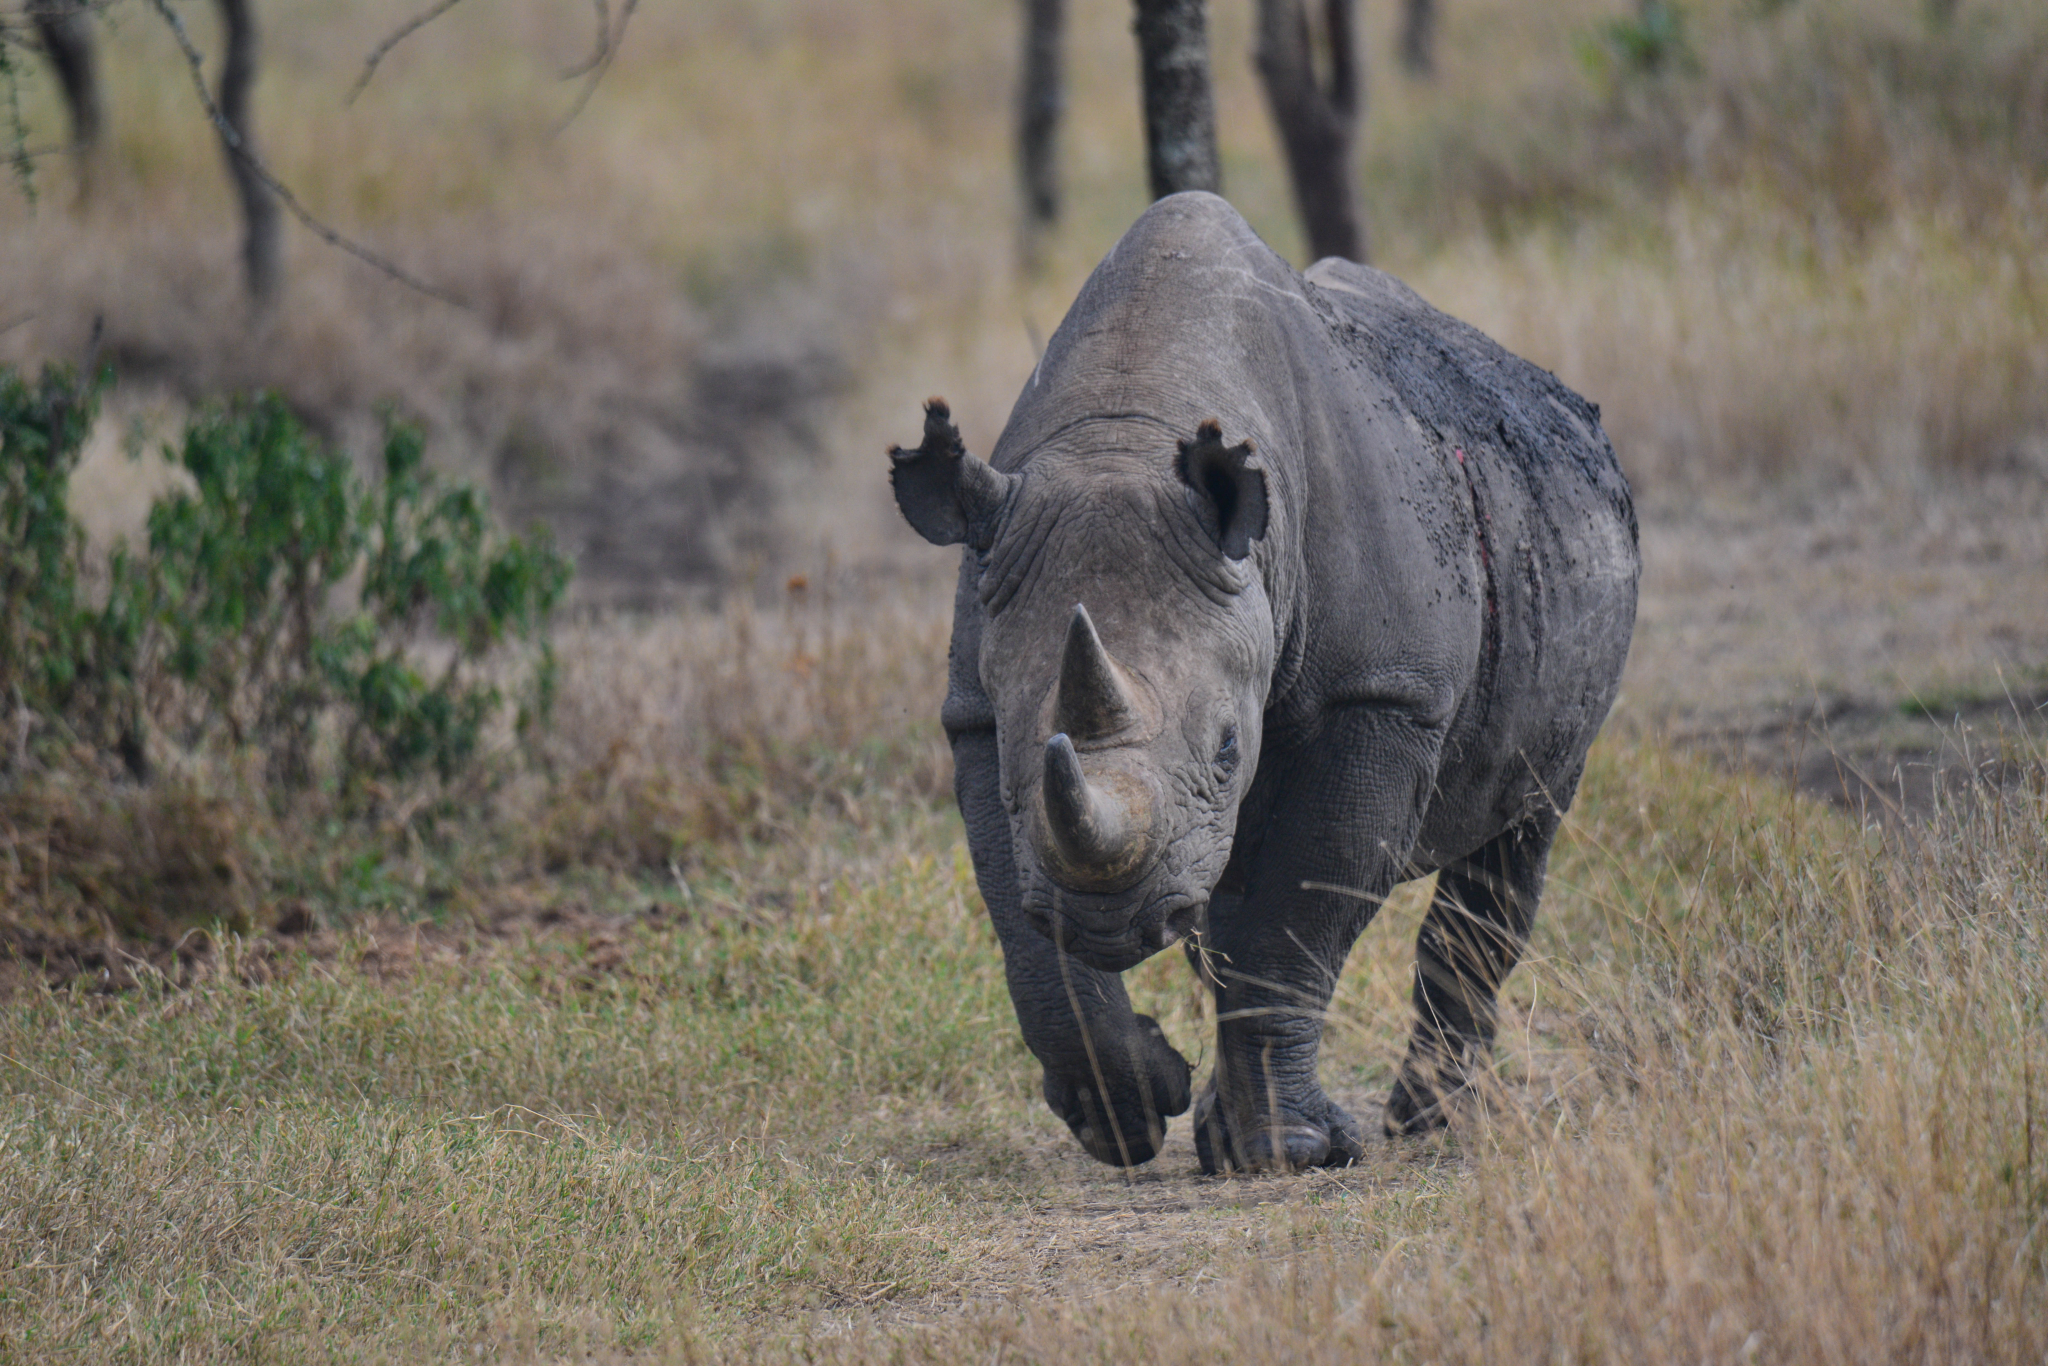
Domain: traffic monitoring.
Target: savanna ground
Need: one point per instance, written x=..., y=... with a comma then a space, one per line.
x=686, y=1038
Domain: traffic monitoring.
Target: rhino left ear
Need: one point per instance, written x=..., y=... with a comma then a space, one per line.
x=1230, y=484
x=946, y=494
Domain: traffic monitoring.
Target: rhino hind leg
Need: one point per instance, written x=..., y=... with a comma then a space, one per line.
x=1475, y=932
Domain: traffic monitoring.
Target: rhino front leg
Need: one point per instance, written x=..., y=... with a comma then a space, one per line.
x=1313, y=867
x=1474, y=934
x=1110, y=1073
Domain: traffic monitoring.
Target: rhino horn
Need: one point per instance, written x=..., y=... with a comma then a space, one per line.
x=1093, y=702
x=1101, y=832
x=946, y=494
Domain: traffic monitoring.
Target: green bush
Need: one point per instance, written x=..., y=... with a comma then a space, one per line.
x=60, y=656
x=439, y=570
x=42, y=427
x=1654, y=41
x=279, y=599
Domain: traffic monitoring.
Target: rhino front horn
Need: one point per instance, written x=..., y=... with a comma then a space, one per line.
x=1101, y=832
x=1094, y=701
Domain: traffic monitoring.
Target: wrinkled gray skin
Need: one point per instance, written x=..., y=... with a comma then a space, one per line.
x=1226, y=686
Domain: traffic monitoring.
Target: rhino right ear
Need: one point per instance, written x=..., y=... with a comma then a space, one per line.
x=945, y=493
x=1230, y=483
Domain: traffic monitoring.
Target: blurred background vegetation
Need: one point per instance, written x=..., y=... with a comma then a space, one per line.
x=694, y=288
x=1790, y=247
x=1800, y=240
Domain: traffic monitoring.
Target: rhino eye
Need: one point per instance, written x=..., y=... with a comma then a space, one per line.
x=1226, y=753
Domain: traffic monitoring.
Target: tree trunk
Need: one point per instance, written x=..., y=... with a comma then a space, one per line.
x=1040, y=97
x=1180, y=110
x=65, y=31
x=1316, y=120
x=262, y=224
x=1418, y=37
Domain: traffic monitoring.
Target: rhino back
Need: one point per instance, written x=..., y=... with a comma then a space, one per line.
x=1550, y=519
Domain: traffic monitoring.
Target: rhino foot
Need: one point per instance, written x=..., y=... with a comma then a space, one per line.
x=1431, y=1082
x=1131, y=1130
x=1414, y=1110
x=1319, y=1133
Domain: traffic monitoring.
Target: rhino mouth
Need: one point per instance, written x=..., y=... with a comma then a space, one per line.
x=1106, y=933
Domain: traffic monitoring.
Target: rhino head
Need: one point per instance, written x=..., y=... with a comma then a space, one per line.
x=1126, y=650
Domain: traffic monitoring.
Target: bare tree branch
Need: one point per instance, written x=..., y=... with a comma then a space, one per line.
x=1040, y=96
x=1317, y=120
x=608, y=45
x=241, y=150
x=602, y=51
x=66, y=34
x=397, y=36
x=1418, y=38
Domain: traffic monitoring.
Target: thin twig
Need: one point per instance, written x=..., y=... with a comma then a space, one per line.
x=600, y=53
x=398, y=35
x=234, y=142
x=610, y=46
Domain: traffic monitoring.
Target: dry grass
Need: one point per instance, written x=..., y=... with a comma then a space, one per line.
x=1768, y=1094
x=324, y=1160
x=1787, y=1112
x=1725, y=353
x=1849, y=113
x=136, y=863
x=746, y=726
x=744, y=737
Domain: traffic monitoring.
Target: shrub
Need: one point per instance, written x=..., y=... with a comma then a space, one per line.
x=42, y=427
x=278, y=599
x=60, y=656
x=1652, y=42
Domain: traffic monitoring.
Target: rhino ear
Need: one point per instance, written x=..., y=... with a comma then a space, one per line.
x=946, y=494
x=1230, y=485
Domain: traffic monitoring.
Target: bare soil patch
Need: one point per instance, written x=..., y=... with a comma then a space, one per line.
x=1884, y=650
x=382, y=946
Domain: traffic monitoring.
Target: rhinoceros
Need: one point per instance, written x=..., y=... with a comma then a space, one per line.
x=1279, y=589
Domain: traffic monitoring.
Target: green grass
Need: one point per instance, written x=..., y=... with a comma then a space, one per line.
x=669, y=1130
